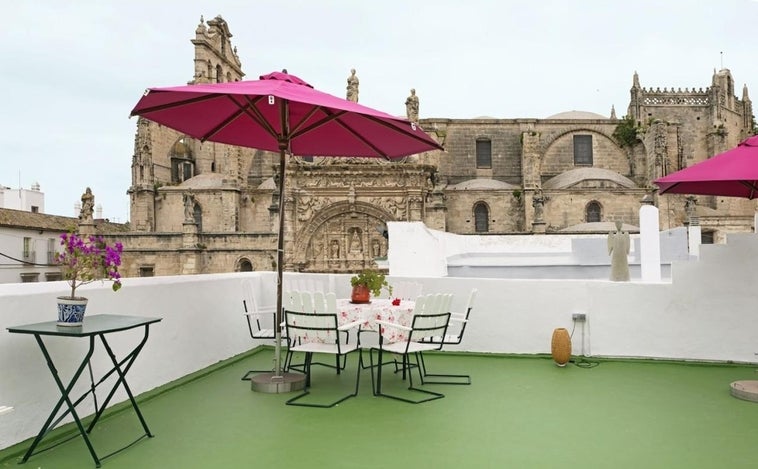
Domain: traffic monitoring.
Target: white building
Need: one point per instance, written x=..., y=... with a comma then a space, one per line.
x=28, y=243
x=23, y=199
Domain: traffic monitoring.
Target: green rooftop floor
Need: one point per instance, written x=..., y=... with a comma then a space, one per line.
x=520, y=412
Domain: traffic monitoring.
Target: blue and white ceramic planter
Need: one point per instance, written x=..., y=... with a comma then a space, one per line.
x=71, y=310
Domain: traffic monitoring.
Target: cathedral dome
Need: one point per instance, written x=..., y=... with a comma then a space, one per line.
x=599, y=227
x=204, y=181
x=575, y=176
x=577, y=115
x=481, y=184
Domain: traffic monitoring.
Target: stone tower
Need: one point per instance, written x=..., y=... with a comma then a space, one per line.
x=215, y=59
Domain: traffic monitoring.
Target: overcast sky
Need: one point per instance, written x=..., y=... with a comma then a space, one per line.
x=74, y=69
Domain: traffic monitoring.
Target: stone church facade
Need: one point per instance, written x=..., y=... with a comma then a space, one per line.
x=206, y=207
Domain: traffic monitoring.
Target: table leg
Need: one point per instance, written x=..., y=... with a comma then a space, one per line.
x=129, y=360
x=65, y=391
x=379, y=373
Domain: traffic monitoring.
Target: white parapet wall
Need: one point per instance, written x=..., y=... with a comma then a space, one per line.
x=417, y=250
x=706, y=313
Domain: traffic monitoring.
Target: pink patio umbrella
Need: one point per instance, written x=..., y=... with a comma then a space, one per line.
x=281, y=112
x=733, y=173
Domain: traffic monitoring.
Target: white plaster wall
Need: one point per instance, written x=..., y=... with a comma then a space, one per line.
x=417, y=242
x=416, y=250
x=707, y=312
x=202, y=324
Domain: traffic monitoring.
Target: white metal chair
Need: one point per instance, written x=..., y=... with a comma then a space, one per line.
x=423, y=325
x=454, y=336
x=314, y=303
x=306, y=331
x=260, y=321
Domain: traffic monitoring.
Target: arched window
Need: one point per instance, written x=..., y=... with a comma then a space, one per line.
x=593, y=212
x=182, y=160
x=244, y=265
x=219, y=74
x=481, y=218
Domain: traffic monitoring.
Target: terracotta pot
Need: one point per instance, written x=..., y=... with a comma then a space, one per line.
x=560, y=346
x=361, y=294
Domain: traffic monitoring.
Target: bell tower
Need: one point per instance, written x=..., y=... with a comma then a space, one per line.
x=215, y=59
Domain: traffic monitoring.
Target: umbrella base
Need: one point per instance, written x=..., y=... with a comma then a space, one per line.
x=747, y=390
x=271, y=383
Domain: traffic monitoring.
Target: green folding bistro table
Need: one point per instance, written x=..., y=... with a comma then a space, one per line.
x=98, y=325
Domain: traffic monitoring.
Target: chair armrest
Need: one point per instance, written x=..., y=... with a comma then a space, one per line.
x=394, y=324
x=457, y=315
x=349, y=325
x=454, y=319
x=256, y=314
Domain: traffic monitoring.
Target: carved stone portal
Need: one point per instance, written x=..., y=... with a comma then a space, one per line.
x=341, y=240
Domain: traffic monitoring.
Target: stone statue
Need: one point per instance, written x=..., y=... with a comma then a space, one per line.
x=355, y=242
x=189, y=208
x=411, y=106
x=618, y=248
x=689, y=206
x=352, y=87
x=375, y=248
x=335, y=250
x=88, y=207
x=538, y=203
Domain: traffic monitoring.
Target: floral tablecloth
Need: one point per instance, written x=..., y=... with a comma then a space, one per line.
x=381, y=309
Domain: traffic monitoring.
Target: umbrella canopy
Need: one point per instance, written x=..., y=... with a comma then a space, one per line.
x=733, y=173
x=281, y=109
x=281, y=112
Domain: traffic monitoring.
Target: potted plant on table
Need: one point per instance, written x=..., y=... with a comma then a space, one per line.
x=84, y=260
x=368, y=282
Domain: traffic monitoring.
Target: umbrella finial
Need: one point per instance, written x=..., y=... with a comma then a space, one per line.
x=284, y=70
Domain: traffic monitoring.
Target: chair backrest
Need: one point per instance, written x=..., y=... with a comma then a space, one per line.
x=311, y=327
x=319, y=303
x=429, y=325
x=307, y=300
x=447, y=300
x=331, y=302
x=469, y=307
x=471, y=299
x=248, y=298
x=433, y=303
x=419, y=306
x=292, y=301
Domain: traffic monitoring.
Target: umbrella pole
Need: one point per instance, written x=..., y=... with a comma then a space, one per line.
x=278, y=381
x=279, y=270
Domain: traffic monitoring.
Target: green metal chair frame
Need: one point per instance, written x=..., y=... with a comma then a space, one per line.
x=449, y=340
x=424, y=325
x=301, y=328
